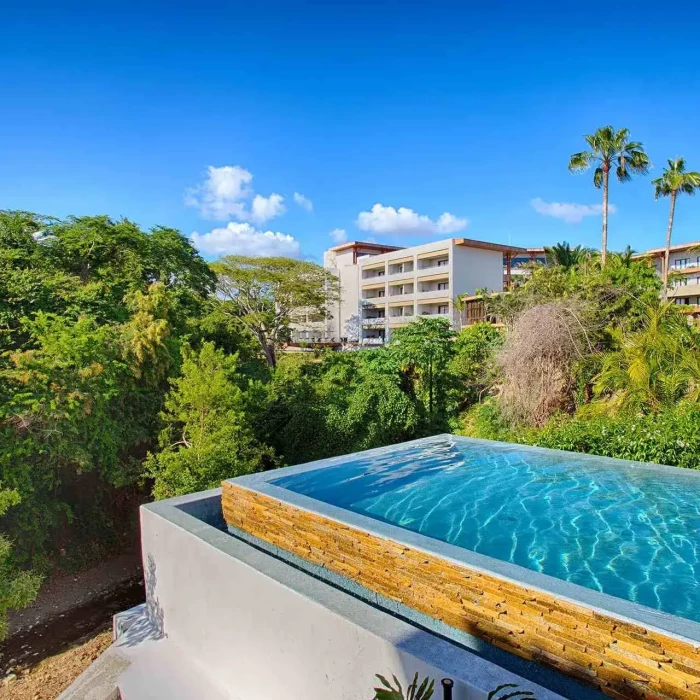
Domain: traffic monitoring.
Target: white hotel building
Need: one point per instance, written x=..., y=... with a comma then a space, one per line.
x=385, y=287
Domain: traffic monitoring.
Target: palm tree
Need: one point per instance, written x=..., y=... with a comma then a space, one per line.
x=674, y=181
x=653, y=367
x=610, y=148
x=564, y=255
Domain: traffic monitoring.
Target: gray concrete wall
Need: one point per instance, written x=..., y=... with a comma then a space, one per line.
x=258, y=628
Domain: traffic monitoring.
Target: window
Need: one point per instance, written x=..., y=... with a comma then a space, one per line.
x=443, y=285
x=381, y=293
x=442, y=309
x=399, y=290
x=681, y=282
x=683, y=300
x=442, y=263
x=680, y=263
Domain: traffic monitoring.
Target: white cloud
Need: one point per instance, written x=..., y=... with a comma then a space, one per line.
x=224, y=193
x=303, y=202
x=338, y=235
x=570, y=212
x=221, y=193
x=244, y=239
x=387, y=220
x=265, y=208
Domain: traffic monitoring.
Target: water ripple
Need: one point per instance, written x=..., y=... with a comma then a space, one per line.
x=623, y=529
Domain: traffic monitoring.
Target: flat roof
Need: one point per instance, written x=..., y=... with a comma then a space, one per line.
x=363, y=244
x=677, y=247
x=485, y=245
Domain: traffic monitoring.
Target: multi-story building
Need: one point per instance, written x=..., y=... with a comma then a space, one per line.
x=518, y=272
x=683, y=268
x=385, y=287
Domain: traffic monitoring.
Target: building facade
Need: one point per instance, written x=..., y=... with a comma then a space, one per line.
x=683, y=269
x=385, y=287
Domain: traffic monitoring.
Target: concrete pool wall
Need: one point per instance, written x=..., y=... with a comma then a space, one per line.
x=255, y=627
x=623, y=649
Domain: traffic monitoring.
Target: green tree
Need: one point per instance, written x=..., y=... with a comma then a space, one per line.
x=208, y=435
x=675, y=180
x=564, y=255
x=17, y=588
x=342, y=403
x=92, y=314
x=652, y=368
x=266, y=294
x=424, y=349
x=610, y=149
x=472, y=364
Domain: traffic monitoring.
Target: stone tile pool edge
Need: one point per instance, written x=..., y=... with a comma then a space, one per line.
x=685, y=632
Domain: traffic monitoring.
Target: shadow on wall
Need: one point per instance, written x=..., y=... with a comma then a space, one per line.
x=494, y=674
x=148, y=624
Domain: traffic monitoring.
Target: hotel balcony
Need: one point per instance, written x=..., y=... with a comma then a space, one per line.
x=401, y=290
x=434, y=307
x=374, y=294
x=433, y=262
x=374, y=271
x=684, y=290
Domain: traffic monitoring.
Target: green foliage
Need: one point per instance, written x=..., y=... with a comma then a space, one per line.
x=564, y=255
x=669, y=437
x=342, y=403
x=617, y=295
x=651, y=368
x=17, y=588
x=92, y=314
x=424, y=691
x=208, y=435
x=424, y=350
x=472, y=363
x=265, y=294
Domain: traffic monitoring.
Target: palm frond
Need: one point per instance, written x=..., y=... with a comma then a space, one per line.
x=598, y=177
x=581, y=161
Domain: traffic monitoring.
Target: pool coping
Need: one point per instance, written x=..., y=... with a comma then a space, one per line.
x=625, y=610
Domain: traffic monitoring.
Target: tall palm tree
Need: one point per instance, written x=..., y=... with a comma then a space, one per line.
x=674, y=181
x=610, y=148
x=564, y=255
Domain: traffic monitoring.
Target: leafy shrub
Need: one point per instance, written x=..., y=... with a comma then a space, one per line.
x=208, y=435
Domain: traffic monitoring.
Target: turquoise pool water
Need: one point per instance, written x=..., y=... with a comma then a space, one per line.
x=625, y=529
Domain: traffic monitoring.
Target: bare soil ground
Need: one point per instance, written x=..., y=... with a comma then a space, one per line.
x=51, y=676
x=66, y=628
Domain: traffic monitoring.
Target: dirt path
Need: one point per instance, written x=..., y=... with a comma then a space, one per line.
x=50, y=677
x=66, y=628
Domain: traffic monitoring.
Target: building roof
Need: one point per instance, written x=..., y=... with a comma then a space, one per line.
x=485, y=245
x=676, y=248
x=368, y=246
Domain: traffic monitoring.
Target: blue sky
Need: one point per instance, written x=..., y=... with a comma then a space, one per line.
x=182, y=113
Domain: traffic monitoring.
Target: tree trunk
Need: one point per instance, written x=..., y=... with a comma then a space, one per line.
x=604, y=252
x=667, y=252
x=270, y=356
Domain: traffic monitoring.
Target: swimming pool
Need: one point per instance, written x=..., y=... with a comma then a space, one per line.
x=585, y=564
x=628, y=530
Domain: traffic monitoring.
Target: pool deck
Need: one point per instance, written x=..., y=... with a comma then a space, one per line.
x=621, y=648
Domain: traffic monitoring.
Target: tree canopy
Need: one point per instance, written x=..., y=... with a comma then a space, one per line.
x=267, y=293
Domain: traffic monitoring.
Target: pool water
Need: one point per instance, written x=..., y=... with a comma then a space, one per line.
x=622, y=528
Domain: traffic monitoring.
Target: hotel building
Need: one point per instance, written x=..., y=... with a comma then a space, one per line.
x=386, y=287
x=683, y=268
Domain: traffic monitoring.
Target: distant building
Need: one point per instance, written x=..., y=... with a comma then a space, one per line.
x=518, y=272
x=386, y=287
x=683, y=268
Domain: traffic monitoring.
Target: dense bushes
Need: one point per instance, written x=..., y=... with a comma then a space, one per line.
x=667, y=437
